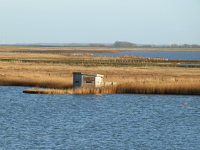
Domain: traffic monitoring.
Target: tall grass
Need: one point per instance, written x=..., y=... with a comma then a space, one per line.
x=177, y=88
x=87, y=59
x=36, y=82
x=183, y=88
x=140, y=80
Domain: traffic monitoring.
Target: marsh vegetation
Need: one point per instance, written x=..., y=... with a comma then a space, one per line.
x=44, y=68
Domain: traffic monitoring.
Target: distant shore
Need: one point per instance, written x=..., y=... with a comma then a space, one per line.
x=74, y=49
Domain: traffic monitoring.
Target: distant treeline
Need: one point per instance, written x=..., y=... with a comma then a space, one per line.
x=129, y=44
x=116, y=44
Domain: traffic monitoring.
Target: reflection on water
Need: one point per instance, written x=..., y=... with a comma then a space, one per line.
x=120, y=121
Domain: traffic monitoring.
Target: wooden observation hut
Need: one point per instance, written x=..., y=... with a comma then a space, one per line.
x=85, y=79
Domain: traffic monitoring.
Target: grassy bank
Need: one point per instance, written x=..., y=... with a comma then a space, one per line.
x=87, y=59
x=52, y=69
x=68, y=49
x=140, y=80
x=128, y=88
x=193, y=64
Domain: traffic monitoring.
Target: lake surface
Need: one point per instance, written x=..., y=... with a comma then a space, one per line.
x=185, y=55
x=118, y=121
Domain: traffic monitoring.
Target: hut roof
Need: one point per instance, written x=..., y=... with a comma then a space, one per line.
x=89, y=74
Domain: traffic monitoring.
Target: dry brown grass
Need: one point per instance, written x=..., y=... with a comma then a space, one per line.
x=183, y=88
x=88, y=49
x=74, y=57
x=51, y=72
x=146, y=80
x=36, y=82
x=129, y=88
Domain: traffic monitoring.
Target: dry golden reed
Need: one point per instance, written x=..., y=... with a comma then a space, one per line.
x=47, y=69
x=36, y=82
x=183, y=88
x=177, y=88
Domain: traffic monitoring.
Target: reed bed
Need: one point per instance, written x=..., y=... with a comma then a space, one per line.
x=88, y=59
x=91, y=49
x=178, y=88
x=48, y=82
x=52, y=68
x=139, y=80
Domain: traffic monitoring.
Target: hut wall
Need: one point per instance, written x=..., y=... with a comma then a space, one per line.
x=84, y=79
x=98, y=81
x=88, y=80
x=77, y=80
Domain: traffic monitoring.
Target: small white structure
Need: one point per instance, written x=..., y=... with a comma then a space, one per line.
x=85, y=79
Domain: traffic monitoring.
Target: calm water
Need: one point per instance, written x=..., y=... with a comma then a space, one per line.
x=192, y=55
x=98, y=121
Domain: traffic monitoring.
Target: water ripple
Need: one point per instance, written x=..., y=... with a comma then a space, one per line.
x=119, y=121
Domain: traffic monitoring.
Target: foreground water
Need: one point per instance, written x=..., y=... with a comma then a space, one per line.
x=185, y=55
x=117, y=121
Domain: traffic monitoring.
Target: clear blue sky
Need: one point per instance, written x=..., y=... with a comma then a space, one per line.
x=100, y=21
